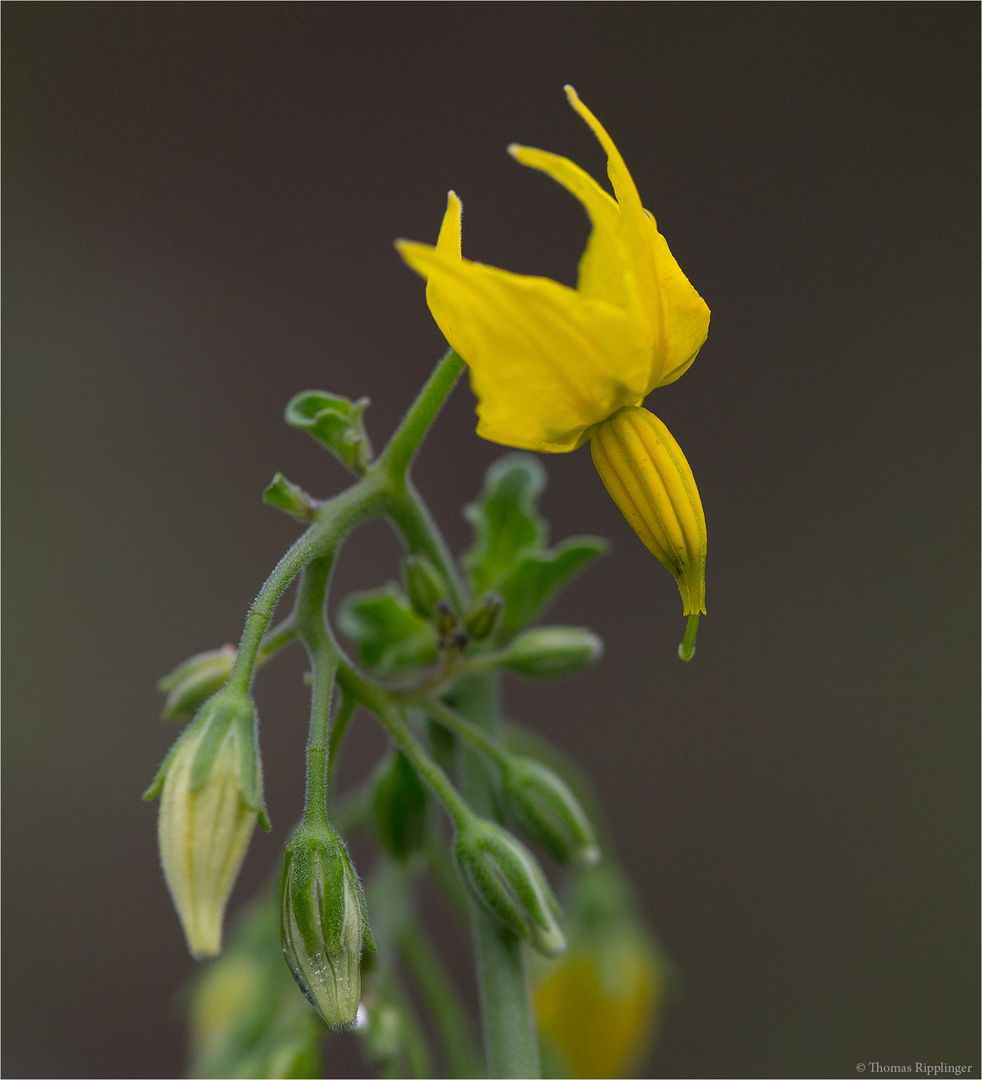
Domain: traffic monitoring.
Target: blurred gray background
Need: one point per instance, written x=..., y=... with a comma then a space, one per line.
x=200, y=207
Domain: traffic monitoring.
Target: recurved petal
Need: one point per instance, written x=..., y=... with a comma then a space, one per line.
x=546, y=363
x=447, y=244
x=620, y=179
x=601, y=271
x=685, y=313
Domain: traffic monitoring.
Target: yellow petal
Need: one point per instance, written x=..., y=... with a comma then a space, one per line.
x=685, y=313
x=601, y=271
x=447, y=244
x=546, y=363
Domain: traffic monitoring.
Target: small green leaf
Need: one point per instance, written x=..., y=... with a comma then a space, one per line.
x=290, y=498
x=334, y=421
x=505, y=519
x=390, y=636
x=537, y=575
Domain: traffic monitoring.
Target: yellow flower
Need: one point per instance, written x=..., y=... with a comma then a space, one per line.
x=553, y=366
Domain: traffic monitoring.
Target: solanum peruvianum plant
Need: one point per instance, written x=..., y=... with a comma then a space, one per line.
x=551, y=367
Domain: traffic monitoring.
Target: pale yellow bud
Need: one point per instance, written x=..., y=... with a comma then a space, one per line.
x=209, y=803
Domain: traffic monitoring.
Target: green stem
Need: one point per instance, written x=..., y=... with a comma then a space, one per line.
x=443, y=1000
x=277, y=638
x=334, y=520
x=463, y=727
x=383, y=489
x=688, y=647
x=510, y=1041
x=398, y=455
x=309, y=619
x=377, y=701
x=345, y=711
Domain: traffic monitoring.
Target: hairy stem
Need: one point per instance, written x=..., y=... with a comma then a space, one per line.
x=308, y=617
x=509, y=1034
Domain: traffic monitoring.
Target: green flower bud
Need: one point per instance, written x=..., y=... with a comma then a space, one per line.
x=444, y=618
x=399, y=807
x=548, y=812
x=483, y=618
x=553, y=650
x=210, y=787
x=424, y=586
x=504, y=877
x=324, y=923
x=190, y=684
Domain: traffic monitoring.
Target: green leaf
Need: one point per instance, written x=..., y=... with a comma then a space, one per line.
x=509, y=553
x=390, y=636
x=287, y=496
x=537, y=575
x=505, y=519
x=335, y=422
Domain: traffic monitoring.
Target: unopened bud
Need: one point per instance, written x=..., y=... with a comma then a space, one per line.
x=548, y=812
x=190, y=684
x=399, y=807
x=444, y=618
x=505, y=878
x=646, y=474
x=553, y=650
x=210, y=787
x=484, y=616
x=424, y=586
x=324, y=923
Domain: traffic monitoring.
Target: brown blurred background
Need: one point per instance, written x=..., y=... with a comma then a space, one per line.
x=201, y=202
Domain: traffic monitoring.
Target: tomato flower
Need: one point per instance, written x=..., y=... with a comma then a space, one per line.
x=553, y=366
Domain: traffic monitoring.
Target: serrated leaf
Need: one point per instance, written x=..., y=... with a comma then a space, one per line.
x=537, y=576
x=390, y=636
x=505, y=519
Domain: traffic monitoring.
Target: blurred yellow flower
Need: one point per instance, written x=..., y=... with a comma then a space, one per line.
x=551, y=365
x=598, y=1005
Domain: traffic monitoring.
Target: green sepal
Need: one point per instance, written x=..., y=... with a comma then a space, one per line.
x=251, y=769
x=216, y=722
x=390, y=636
x=505, y=519
x=537, y=575
x=287, y=496
x=335, y=422
x=161, y=774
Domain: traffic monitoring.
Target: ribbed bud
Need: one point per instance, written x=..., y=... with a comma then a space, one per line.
x=482, y=619
x=210, y=787
x=424, y=586
x=552, y=650
x=648, y=477
x=547, y=812
x=190, y=684
x=324, y=923
x=505, y=878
